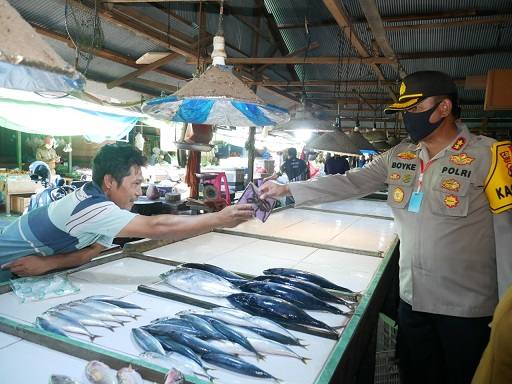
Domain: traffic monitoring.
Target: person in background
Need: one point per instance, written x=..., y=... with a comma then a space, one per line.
x=157, y=157
x=361, y=161
x=370, y=158
x=265, y=155
x=76, y=228
x=447, y=268
x=337, y=165
x=294, y=168
x=47, y=153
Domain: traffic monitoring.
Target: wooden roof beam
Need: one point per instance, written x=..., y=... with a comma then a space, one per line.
x=451, y=24
x=343, y=20
x=308, y=60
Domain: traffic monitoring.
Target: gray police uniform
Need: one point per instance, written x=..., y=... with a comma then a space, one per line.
x=447, y=249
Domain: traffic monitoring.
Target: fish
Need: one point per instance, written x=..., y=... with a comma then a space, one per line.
x=84, y=320
x=231, y=348
x=307, y=286
x=308, y=276
x=45, y=324
x=117, y=302
x=170, y=345
x=277, y=337
x=259, y=322
x=300, y=298
x=99, y=373
x=234, y=336
x=179, y=325
x=237, y=365
x=69, y=324
x=267, y=346
x=87, y=310
x=199, y=282
x=203, y=325
x=128, y=375
x=111, y=309
x=147, y=342
x=233, y=278
x=62, y=379
x=197, y=345
x=174, y=377
x=276, y=309
x=187, y=366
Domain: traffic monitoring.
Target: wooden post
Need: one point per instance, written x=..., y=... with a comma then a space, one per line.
x=18, y=149
x=251, y=140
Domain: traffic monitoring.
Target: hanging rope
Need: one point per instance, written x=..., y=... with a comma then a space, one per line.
x=308, y=42
x=198, y=71
x=220, y=29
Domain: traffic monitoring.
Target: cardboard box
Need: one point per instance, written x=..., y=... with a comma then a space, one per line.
x=19, y=203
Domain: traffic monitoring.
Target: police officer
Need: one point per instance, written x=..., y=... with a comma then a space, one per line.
x=447, y=267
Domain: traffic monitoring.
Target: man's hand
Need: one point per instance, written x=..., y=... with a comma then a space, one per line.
x=274, y=190
x=30, y=266
x=233, y=215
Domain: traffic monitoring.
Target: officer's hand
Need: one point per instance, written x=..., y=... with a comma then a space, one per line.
x=274, y=190
x=233, y=215
x=29, y=266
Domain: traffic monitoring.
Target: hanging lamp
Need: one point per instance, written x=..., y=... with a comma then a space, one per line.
x=336, y=141
x=358, y=139
x=27, y=62
x=217, y=97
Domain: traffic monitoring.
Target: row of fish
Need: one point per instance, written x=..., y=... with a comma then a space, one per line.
x=95, y=311
x=97, y=372
x=280, y=294
x=219, y=337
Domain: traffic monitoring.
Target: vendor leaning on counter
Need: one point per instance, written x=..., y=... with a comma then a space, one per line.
x=73, y=230
x=47, y=153
x=447, y=267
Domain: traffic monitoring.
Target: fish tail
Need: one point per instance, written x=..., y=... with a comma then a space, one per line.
x=93, y=337
x=111, y=328
x=278, y=381
x=259, y=356
x=304, y=359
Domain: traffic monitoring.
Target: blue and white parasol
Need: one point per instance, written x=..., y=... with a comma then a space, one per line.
x=217, y=97
x=27, y=62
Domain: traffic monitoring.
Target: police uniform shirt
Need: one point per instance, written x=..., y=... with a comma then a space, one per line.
x=447, y=251
x=78, y=220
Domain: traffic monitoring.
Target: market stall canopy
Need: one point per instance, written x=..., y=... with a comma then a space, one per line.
x=336, y=141
x=27, y=62
x=358, y=139
x=63, y=116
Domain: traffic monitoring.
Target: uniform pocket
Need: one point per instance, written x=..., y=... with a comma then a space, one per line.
x=451, y=196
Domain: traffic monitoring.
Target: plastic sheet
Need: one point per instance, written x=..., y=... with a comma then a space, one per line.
x=41, y=288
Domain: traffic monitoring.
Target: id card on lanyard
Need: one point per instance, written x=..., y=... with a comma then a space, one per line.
x=417, y=196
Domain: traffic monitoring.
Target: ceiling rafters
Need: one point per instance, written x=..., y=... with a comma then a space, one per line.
x=343, y=20
x=306, y=60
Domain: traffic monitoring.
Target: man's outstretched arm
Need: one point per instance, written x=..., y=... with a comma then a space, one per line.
x=38, y=265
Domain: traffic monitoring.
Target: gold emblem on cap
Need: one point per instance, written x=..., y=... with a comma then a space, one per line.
x=402, y=88
x=398, y=195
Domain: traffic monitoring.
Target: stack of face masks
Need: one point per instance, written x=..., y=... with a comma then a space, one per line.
x=40, y=288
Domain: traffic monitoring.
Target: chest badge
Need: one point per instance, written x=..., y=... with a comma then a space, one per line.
x=406, y=155
x=451, y=201
x=394, y=176
x=506, y=155
x=450, y=185
x=398, y=195
x=459, y=143
x=462, y=159
x=407, y=178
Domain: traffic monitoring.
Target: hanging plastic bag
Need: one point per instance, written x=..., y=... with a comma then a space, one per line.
x=41, y=288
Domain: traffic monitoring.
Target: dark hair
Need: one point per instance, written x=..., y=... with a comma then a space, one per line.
x=116, y=160
x=292, y=152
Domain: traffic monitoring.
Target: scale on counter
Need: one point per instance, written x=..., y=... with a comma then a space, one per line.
x=214, y=190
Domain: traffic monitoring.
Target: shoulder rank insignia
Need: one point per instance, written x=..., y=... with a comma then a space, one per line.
x=450, y=185
x=394, y=176
x=407, y=155
x=451, y=201
x=459, y=143
x=462, y=159
x=398, y=195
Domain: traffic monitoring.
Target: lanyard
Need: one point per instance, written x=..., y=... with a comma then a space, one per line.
x=423, y=169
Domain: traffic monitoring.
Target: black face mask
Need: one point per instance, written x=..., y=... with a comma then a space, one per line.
x=418, y=125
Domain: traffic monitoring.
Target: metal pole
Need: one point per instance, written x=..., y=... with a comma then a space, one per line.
x=18, y=150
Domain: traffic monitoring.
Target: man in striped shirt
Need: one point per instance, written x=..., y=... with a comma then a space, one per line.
x=73, y=230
